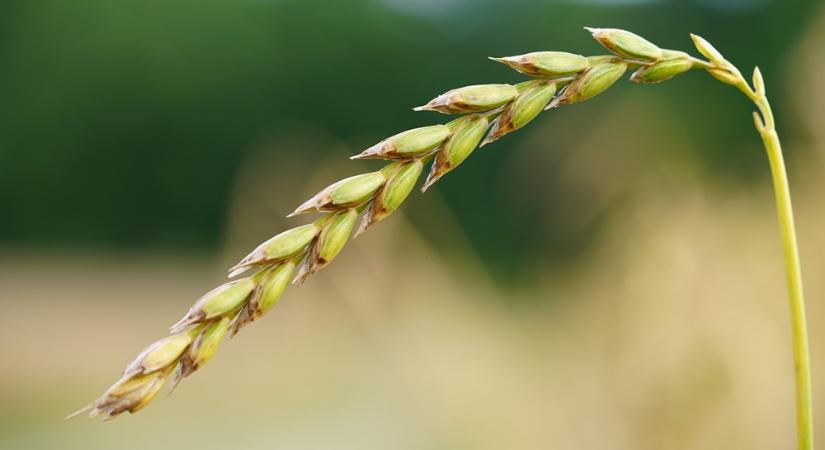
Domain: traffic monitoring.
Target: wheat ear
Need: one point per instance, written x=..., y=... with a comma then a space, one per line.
x=488, y=112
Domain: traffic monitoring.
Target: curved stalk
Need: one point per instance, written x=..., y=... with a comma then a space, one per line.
x=784, y=210
x=721, y=69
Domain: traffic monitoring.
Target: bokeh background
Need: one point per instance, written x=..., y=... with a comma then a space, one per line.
x=609, y=277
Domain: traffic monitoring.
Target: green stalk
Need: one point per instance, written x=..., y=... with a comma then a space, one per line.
x=765, y=125
x=722, y=69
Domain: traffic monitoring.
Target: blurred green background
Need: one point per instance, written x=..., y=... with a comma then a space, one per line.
x=608, y=277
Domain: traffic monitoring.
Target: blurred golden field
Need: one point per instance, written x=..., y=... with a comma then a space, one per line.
x=669, y=332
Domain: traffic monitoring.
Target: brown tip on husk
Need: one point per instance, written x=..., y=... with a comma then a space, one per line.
x=245, y=316
x=362, y=227
x=491, y=137
x=184, y=323
x=492, y=134
x=245, y=264
x=237, y=270
x=237, y=323
x=175, y=382
x=370, y=153
x=366, y=222
x=308, y=206
x=554, y=103
x=302, y=275
x=594, y=31
x=431, y=179
x=79, y=411
x=186, y=368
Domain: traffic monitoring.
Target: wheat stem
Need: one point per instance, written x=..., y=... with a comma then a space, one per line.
x=765, y=125
x=799, y=329
x=802, y=360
